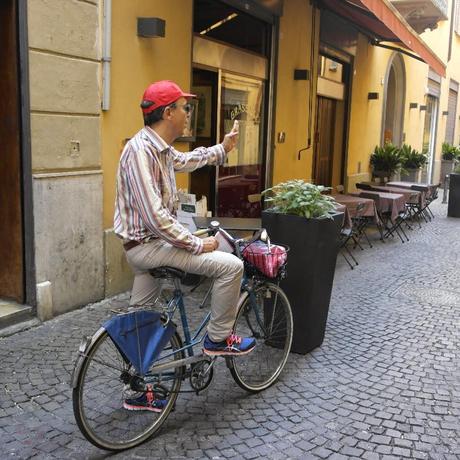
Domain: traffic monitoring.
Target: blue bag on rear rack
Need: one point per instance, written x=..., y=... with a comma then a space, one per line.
x=140, y=336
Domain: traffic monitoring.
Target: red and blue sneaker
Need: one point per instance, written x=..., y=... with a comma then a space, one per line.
x=233, y=345
x=146, y=401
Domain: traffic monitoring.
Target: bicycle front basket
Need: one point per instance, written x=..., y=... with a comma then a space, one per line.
x=140, y=336
x=267, y=258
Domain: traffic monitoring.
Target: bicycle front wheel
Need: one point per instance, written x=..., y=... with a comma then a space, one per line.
x=265, y=315
x=106, y=380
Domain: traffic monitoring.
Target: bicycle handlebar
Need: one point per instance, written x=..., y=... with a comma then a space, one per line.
x=215, y=227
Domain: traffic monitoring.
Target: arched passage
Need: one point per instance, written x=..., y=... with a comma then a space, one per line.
x=394, y=98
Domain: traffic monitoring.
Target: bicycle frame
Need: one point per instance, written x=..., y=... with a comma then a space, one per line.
x=177, y=301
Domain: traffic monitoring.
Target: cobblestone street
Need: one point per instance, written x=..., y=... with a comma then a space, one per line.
x=385, y=383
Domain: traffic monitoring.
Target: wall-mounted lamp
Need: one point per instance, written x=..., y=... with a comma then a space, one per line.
x=423, y=107
x=372, y=96
x=301, y=74
x=413, y=105
x=151, y=27
x=446, y=112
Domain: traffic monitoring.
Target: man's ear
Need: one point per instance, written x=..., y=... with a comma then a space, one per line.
x=167, y=114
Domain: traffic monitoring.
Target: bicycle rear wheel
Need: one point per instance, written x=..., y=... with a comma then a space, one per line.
x=102, y=388
x=265, y=314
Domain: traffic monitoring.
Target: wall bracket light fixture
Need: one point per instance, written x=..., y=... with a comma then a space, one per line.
x=151, y=27
x=301, y=74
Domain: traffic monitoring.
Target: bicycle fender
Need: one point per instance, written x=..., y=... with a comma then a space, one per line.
x=244, y=294
x=85, y=345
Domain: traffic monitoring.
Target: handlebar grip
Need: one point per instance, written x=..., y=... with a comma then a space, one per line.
x=205, y=231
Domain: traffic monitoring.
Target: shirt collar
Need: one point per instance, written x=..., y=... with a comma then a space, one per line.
x=159, y=143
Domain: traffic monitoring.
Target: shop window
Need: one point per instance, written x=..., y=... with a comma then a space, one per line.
x=330, y=69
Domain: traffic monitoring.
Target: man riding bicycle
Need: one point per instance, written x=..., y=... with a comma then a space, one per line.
x=145, y=214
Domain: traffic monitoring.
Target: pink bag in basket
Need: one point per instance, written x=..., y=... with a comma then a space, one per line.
x=267, y=258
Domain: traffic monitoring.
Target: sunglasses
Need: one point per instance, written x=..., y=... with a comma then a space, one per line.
x=188, y=108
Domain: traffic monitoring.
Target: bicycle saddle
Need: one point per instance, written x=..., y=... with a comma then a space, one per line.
x=167, y=272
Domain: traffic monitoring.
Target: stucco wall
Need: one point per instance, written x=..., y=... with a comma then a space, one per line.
x=137, y=62
x=66, y=160
x=292, y=95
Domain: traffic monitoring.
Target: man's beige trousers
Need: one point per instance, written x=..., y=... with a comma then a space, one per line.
x=226, y=269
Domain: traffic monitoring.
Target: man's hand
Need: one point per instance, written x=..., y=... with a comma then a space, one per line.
x=210, y=244
x=231, y=138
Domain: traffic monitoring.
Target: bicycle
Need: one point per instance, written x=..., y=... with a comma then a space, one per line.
x=103, y=377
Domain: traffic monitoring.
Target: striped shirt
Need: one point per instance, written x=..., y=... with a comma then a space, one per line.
x=147, y=200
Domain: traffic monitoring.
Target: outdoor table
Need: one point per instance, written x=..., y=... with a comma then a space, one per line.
x=410, y=195
x=428, y=187
x=230, y=223
x=351, y=202
x=347, y=223
x=388, y=202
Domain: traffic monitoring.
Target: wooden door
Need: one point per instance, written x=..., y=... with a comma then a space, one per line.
x=11, y=228
x=324, y=141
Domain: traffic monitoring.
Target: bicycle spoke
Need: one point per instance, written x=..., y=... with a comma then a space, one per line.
x=269, y=321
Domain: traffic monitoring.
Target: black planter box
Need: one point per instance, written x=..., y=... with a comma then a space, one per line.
x=453, y=209
x=314, y=245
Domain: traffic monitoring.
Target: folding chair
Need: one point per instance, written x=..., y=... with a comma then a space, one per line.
x=360, y=223
x=346, y=234
x=376, y=200
x=362, y=186
x=414, y=209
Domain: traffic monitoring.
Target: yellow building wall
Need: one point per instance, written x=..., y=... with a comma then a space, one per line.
x=365, y=123
x=292, y=95
x=370, y=67
x=454, y=73
x=414, y=119
x=137, y=62
x=438, y=41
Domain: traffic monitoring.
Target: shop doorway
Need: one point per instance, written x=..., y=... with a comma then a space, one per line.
x=429, y=135
x=11, y=230
x=324, y=141
x=331, y=126
x=17, y=275
x=395, y=91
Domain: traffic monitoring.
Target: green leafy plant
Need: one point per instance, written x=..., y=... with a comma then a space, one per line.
x=386, y=160
x=449, y=152
x=300, y=198
x=411, y=158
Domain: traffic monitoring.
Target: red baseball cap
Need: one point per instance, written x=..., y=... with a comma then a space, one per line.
x=160, y=94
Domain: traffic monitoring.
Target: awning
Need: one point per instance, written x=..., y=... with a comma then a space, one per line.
x=380, y=21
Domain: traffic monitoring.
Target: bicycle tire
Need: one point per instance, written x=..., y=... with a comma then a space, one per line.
x=261, y=368
x=102, y=433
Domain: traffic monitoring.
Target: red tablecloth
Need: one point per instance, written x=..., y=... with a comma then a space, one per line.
x=351, y=202
x=394, y=203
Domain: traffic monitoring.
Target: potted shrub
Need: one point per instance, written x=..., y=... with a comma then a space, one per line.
x=304, y=218
x=453, y=208
x=411, y=164
x=385, y=161
x=448, y=157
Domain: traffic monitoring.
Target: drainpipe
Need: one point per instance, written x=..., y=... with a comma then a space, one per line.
x=106, y=54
